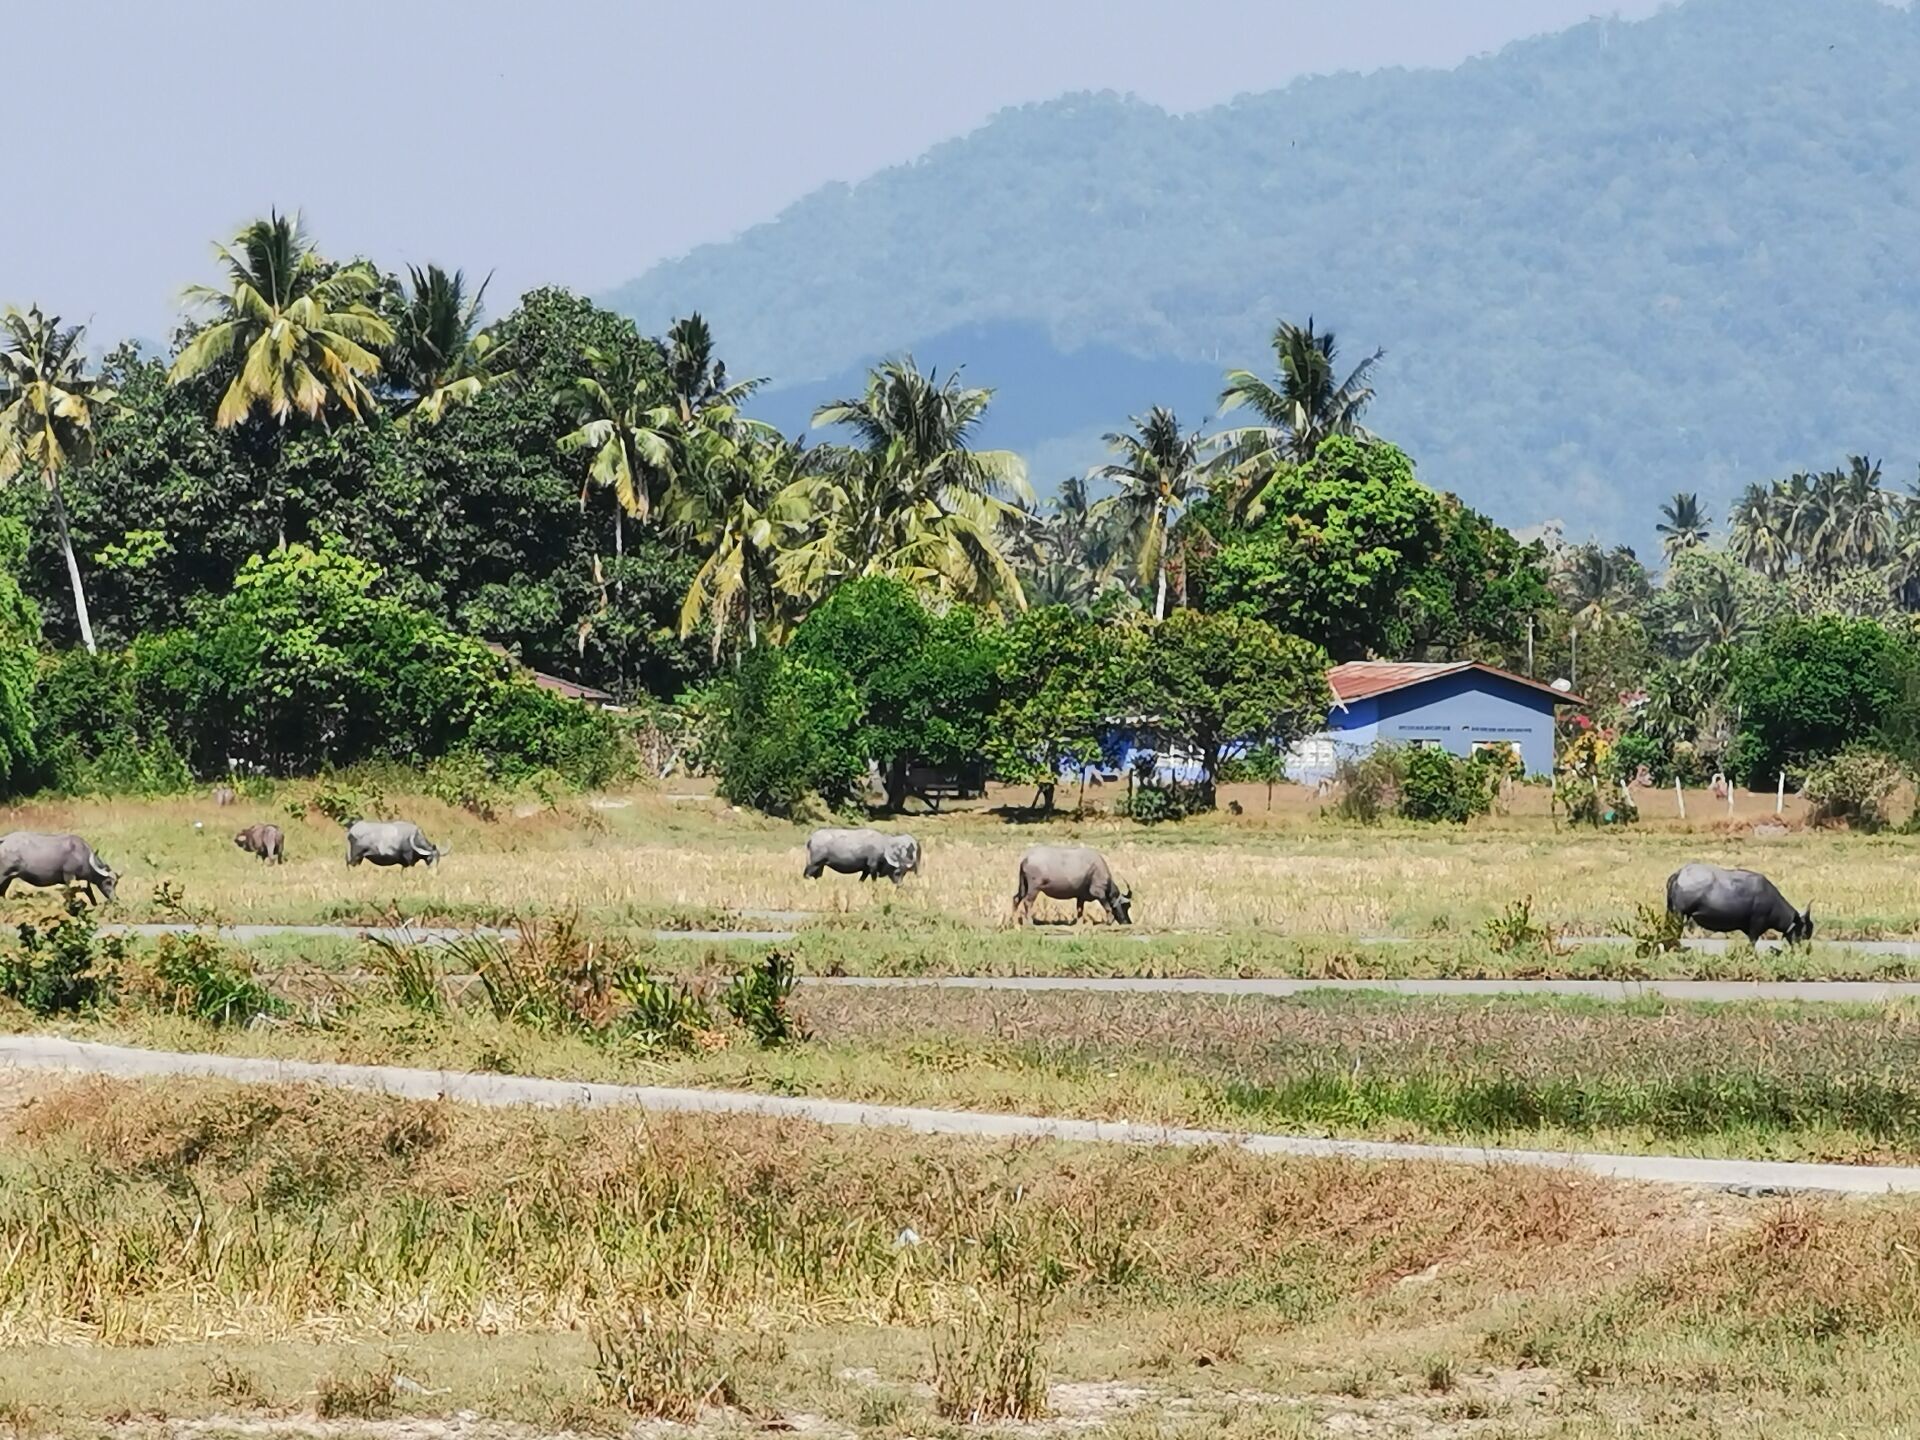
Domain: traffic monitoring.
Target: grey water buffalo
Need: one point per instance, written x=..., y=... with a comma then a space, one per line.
x=869, y=854
x=1743, y=900
x=391, y=842
x=39, y=859
x=263, y=840
x=1070, y=872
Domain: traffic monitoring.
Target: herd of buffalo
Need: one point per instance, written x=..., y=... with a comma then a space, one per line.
x=1709, y=896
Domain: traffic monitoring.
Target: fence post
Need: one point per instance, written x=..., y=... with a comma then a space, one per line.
x=1780, y=794
x=1679, y=798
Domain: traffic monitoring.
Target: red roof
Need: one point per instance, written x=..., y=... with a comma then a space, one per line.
x=1359, y=679
x=572, y=689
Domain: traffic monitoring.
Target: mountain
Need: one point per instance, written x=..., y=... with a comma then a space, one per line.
x=1606, y=264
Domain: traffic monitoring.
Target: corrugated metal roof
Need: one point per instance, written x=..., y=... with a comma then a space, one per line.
x=1358, y=679
x=572, y=689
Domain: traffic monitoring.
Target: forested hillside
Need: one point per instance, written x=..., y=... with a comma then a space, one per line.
x=1605, y=264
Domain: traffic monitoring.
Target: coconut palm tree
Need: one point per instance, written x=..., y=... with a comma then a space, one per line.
x=297, y=333
x=441, y=359
x=1683, y=523
x=1075, y=548
x=741, y=500
x=1599, y=585
x=1300, y=407
x=1862, y=518
x=1160, y=474
x=696, y=378
x=48, y=406
x=623, y=419
x=1760, y=530
x=911, y=496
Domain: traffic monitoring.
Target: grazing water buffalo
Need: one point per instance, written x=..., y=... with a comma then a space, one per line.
x=1722, y=900
x=1070, y=872
x=263, y=840
x=866, y=853
x=390, y=842
x=37, y=859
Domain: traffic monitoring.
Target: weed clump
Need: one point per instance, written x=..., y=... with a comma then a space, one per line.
x=196, y=976
x=59, y=963
x=1656, y=930
x=1514, y=928
x=988, y=1362
x=657, y=1368
x=758, y=1000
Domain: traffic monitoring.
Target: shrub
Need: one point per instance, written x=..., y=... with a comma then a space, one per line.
x=782, y=730
x=1853, y=787
x=1633, y=751
x=195, y=975
x=1439, y=786
x=758, y=1000
x=663, y=1014
x=1369, y=783
x=1170, y=800
x=59, y=963
x=1656, y=930
x=409, y=974
x=1514, y=928
x=462, y=777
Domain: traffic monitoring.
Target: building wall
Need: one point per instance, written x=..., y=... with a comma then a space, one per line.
x=1455, y=712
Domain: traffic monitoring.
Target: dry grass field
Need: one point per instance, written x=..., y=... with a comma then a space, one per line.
x=261, y=1262
x=660, y=858
x=192, y=1259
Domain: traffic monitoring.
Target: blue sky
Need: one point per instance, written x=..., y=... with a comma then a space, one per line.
x=576, y=143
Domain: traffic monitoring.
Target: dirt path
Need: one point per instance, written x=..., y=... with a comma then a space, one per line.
x=1841, y=992
x=39, y=1052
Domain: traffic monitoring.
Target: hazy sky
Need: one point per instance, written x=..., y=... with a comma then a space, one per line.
x=576, y=143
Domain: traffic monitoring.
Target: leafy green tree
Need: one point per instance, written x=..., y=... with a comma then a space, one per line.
x=1159, y=474
x=1219, y=683
x=1474, y=594
x=1056, y=687
x=19, y=662
x=927, y=682
x=1807, y=689
x=1341, y=535
x=1303, y=405
x=441, y=359
x=911, y=496
x=295, y=333
x=1683, y=523
x=781, y=730
x=48, y=408
x=1709, y=600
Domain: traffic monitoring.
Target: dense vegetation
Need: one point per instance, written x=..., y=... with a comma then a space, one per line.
x=322, y=529
x=1590, y=259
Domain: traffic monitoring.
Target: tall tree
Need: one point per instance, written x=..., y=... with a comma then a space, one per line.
x=1301, y=406
x=625, y=423
x=441, y=359
x=48, y=406
x=1073, y=549
x=741, y=500
x=911, y=496
x=1683, y=523
x=297, y=332
x=1760, y=533
x=696, y=377
x=1160, y=475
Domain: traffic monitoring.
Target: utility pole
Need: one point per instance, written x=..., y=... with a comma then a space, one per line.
x=1529, y=647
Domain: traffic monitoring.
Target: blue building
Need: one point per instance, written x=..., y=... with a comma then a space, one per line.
x=1461, y=706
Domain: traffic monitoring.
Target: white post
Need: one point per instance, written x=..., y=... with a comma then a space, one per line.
x=1729, y=795
x=1780, y=794
x=1679, y=798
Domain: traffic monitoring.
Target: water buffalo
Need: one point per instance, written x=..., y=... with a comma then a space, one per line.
x=866, y=853
x=1744, y=900
x=391, y=842
x=39, y=859
x=263, y=840
x=1070, y=872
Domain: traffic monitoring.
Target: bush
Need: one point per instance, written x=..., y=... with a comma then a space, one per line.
x=463, y=778
x=782, y=731
x=1810, y=688
x=1634, y=751
x=757, y=1000
x=1443, y=787
x=59, y=964
x=1170, y=800
x=195, y=975
x=989, y=1363
x=1852, y=788
x=91, y=735
x=1370, y=783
